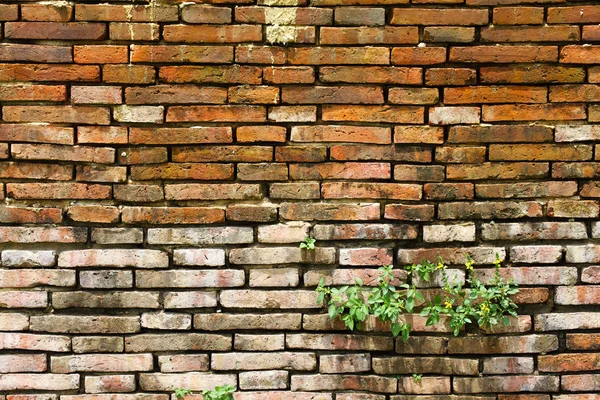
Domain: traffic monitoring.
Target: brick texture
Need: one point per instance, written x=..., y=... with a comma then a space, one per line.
x=162, y=160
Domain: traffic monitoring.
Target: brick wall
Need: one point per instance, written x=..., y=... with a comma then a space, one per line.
x=161, y=162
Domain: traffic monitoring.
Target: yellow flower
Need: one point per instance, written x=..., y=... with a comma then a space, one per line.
x=469, y=265
x=448, y=305
x=485, y=308
x=441, y=265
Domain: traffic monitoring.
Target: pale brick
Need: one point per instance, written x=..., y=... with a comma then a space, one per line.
x=177, y=342
x=247, y=342
x=123, y=258
x=102, y=363
x=199, y=257
x=161, y=320
x=183, y=363
x=28, y=258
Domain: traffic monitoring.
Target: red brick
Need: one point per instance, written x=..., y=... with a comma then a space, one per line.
x=389, y=114
x=535, y=73
x=528, y=112
x=182, y=54
x=495, y=94
x=212, y=34
x=35, y=53
x=530, y=33
x=503, y=54
x=101, y=54
x=96, y=95
x=46, y=12
x=332, y=95
x=430, y=16
x=55, y=30
x=98, y=214
x=136, y=13
x=180, y=135
x=223, y=154
x=448, y=34
x=579, y=14
x=369, y=35
x=340, y=171
x=338, y=55
x=418, y=55
x=279, y=75
x=133, y=31
x=142, y=155
x=265, y=133
x=202, y=14
x=102, y=134
x=58, y=191
x=500, y=134
x=450, y=76
x=518, y=15
x=60, y=114
x=338, y=133
x=9, y=12
x=217, y=114
x=175, y=94
x=396, y=75
x=36, y=134
x=172, y=215
x=48, y=72
x=253, y=94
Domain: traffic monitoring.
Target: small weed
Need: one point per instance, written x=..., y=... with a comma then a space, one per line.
x=181, y=393
x=308, y=244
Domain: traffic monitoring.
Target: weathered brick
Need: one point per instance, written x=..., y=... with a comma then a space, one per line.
x=58, y=382
x=504, y=345
x=183, y=363
x=259, y=342
x=517, y=383
x=101, y=363
x=196, y=381
x=189, y=278
x=435, y=365
x=566, y=321
x=196, y=236
x=534, y=231
x=189, y=299
x=177, y=342
x=378, y=384
x=97, y=344
x=264, y=361
x=264, y=380
x=110, y=383
x=323, y=212
x=113, y=257
x=106, y=279
x=223, y=321
x=27, y=341
x=344, y=363
x=23, y=278
x=276, y=299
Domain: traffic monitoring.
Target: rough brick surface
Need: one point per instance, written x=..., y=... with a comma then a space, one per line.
x=162, y=160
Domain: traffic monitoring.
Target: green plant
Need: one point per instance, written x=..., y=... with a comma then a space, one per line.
x=386, y=302
x=308, y=244
x=219, y=393
x=181, y=393
x=485, y=304
x=417, y=378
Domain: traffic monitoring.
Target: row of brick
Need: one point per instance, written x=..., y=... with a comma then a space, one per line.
x=257, y=94
x=525, y=231
x=208, y=14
